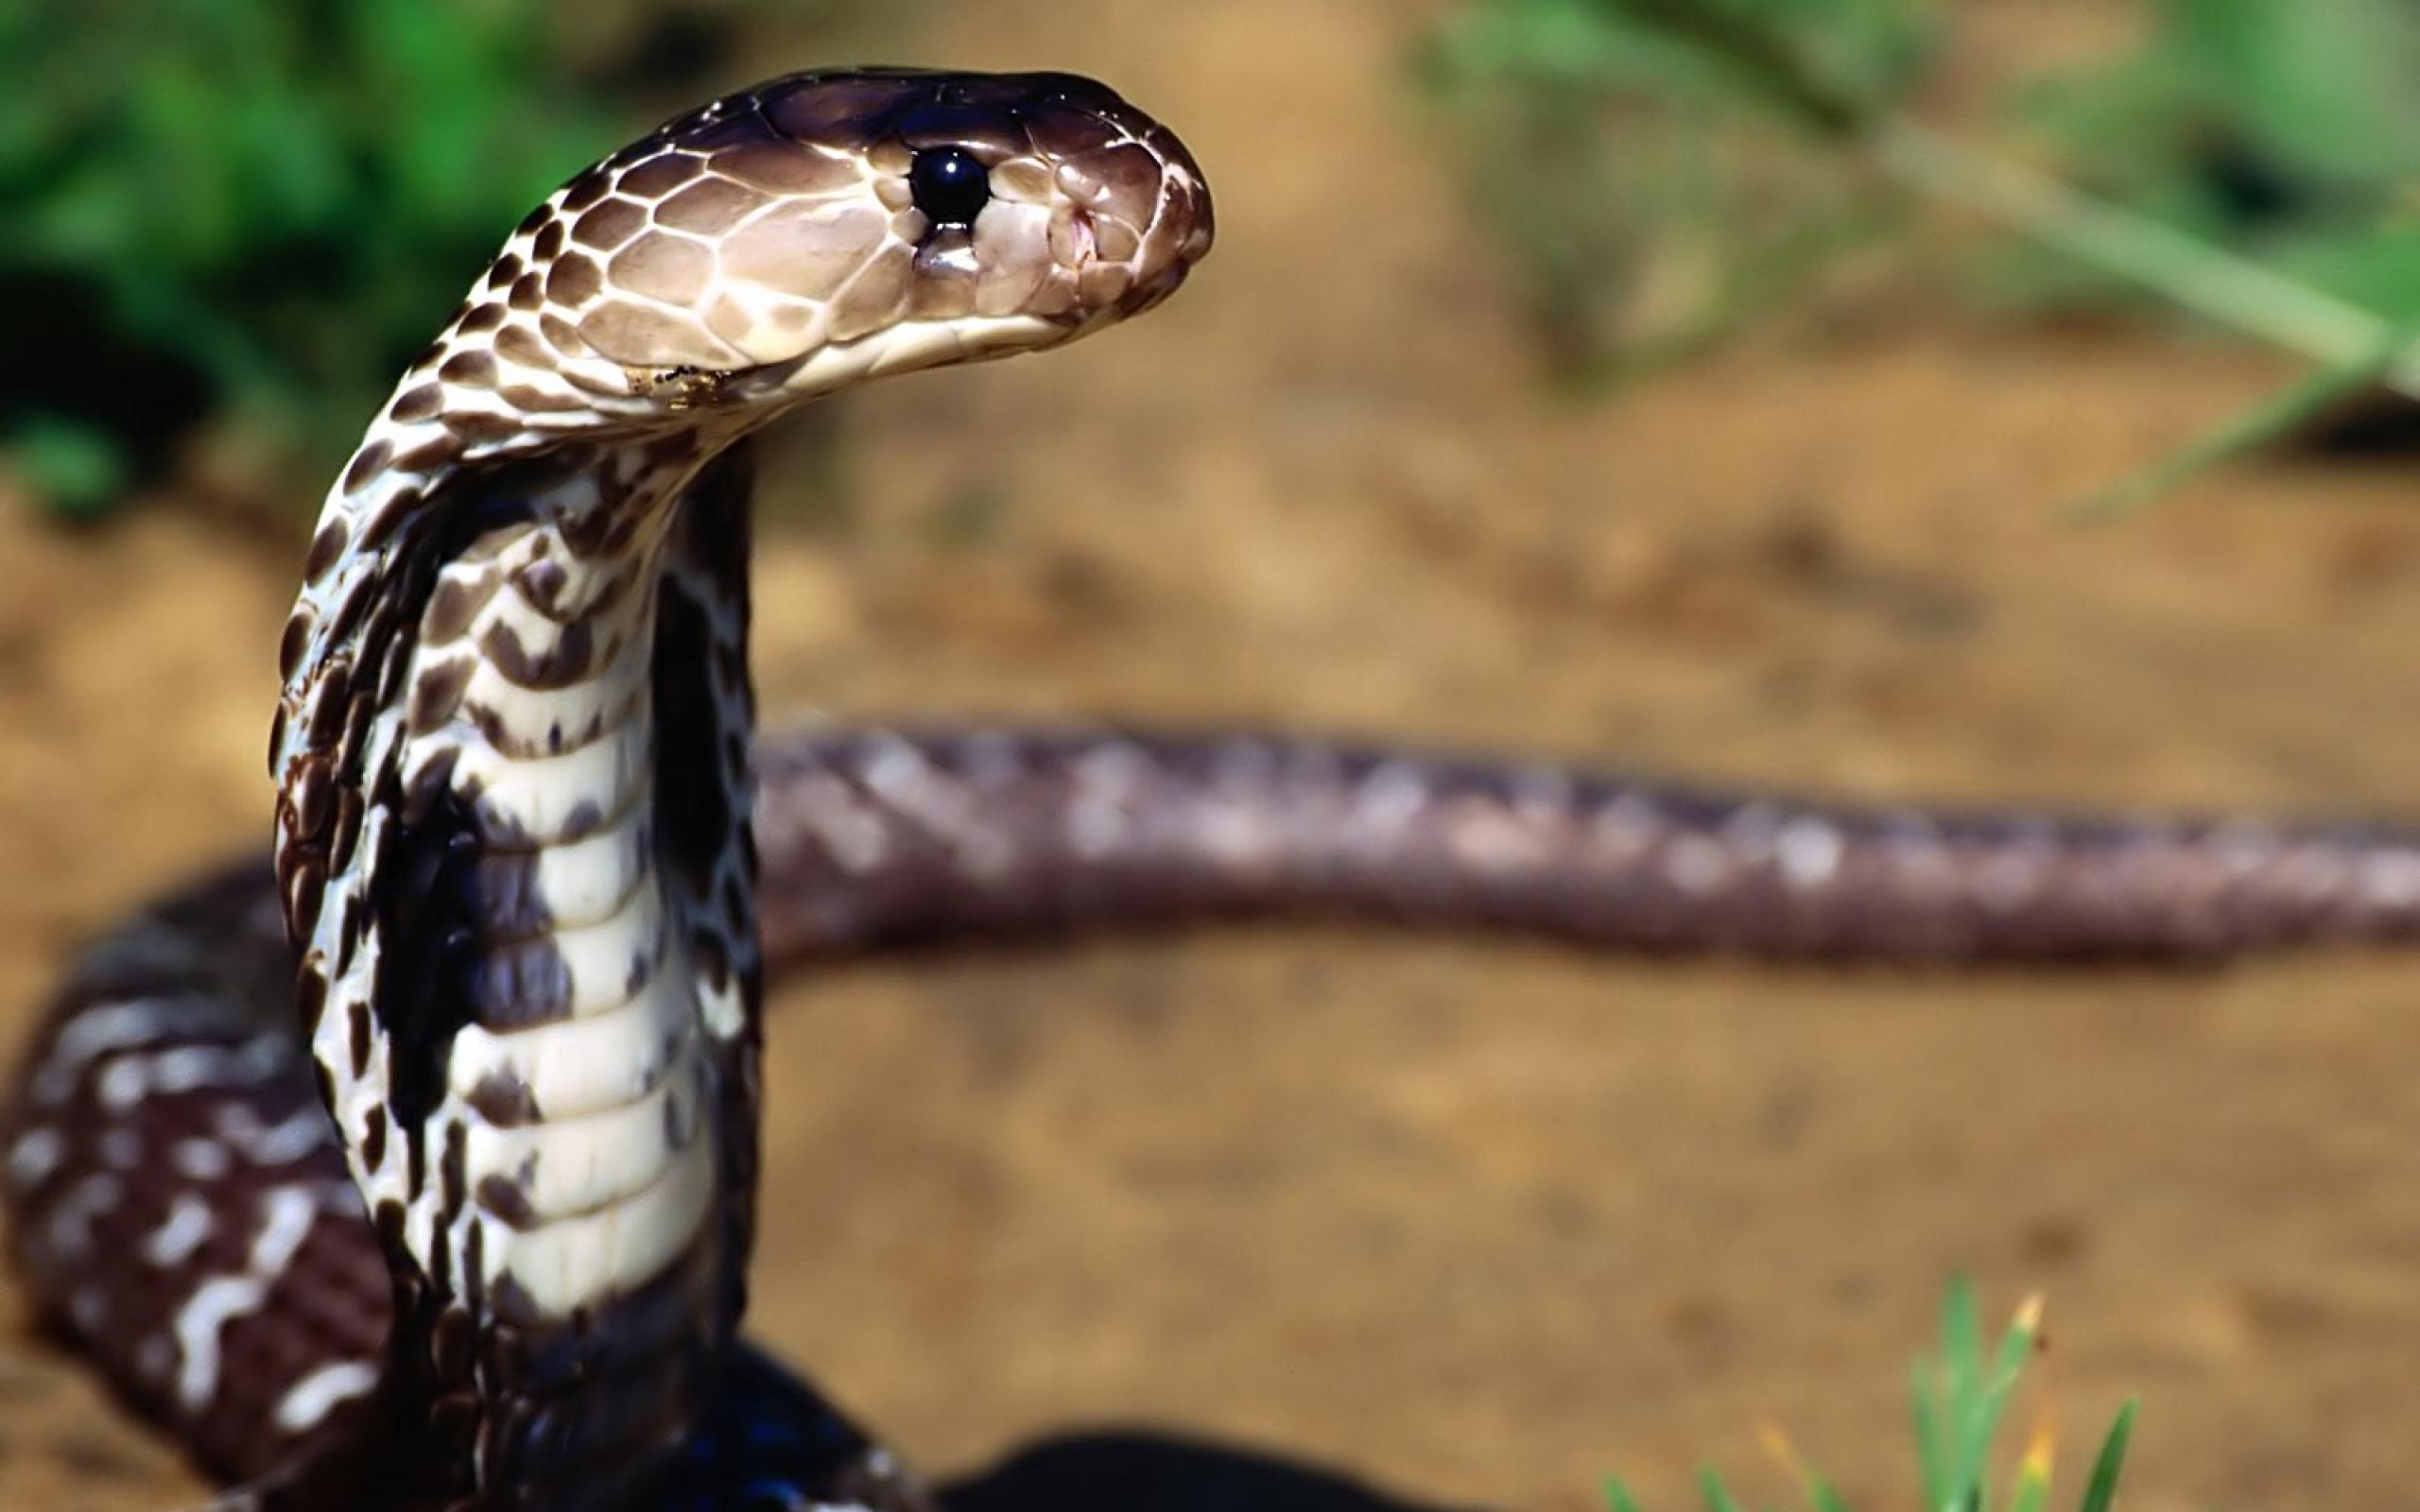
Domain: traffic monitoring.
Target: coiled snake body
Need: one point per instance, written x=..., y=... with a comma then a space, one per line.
x=478, y=1237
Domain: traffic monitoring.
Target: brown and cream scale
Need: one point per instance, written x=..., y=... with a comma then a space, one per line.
x=477, y=1236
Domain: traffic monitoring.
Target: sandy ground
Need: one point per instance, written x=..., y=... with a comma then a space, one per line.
x=1479, y=1221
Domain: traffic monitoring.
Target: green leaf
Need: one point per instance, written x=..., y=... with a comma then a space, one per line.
x=1617, y=1497
x=286, y=198
x=1717, y=1496
x=1932, y=1445
x=2325, y=86
x=2257, y=427
x=1959, y=1402
x=2102, y=1488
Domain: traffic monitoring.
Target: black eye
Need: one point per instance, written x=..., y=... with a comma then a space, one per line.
x=949, y=185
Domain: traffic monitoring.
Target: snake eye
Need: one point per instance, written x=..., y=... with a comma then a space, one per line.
x=950, y=187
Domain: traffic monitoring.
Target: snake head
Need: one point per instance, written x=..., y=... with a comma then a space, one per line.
x=826, y=228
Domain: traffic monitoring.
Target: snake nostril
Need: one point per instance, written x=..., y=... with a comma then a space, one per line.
x=1073, y=240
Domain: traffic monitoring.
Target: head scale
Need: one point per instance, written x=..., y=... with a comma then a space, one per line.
x=825, y=228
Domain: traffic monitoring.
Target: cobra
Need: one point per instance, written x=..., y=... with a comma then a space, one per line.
x=477, y=1236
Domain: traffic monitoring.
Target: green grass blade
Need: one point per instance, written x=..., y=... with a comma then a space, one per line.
x=1820, y=1492
x=2263, y=423
x=2033, y=1473
x=1961, y=1337
x=1717, y=1496
x=1957, y=1403
x=2102, y=1490
x=1617, y=1497
x=1933, y=1460
x=1986, y=1399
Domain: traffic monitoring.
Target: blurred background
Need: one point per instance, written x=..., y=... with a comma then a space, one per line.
x=1983, y=401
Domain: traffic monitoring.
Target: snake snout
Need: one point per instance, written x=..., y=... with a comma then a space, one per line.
x=1184, y=226
x=1133, y=217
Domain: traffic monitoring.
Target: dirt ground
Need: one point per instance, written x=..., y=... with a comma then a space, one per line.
x=1479, y=1221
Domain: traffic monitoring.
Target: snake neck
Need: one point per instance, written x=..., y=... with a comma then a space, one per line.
x=532, y=967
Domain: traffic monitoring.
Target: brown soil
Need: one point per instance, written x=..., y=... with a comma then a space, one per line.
x=1479, y=1220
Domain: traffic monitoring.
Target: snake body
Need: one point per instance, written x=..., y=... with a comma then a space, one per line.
x=477, y=1236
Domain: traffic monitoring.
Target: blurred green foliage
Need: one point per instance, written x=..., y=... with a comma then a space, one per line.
x=1958, y=1404
x=1647, y=165
x=1735, y=139
x=2287, y=129
x=265, y=207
